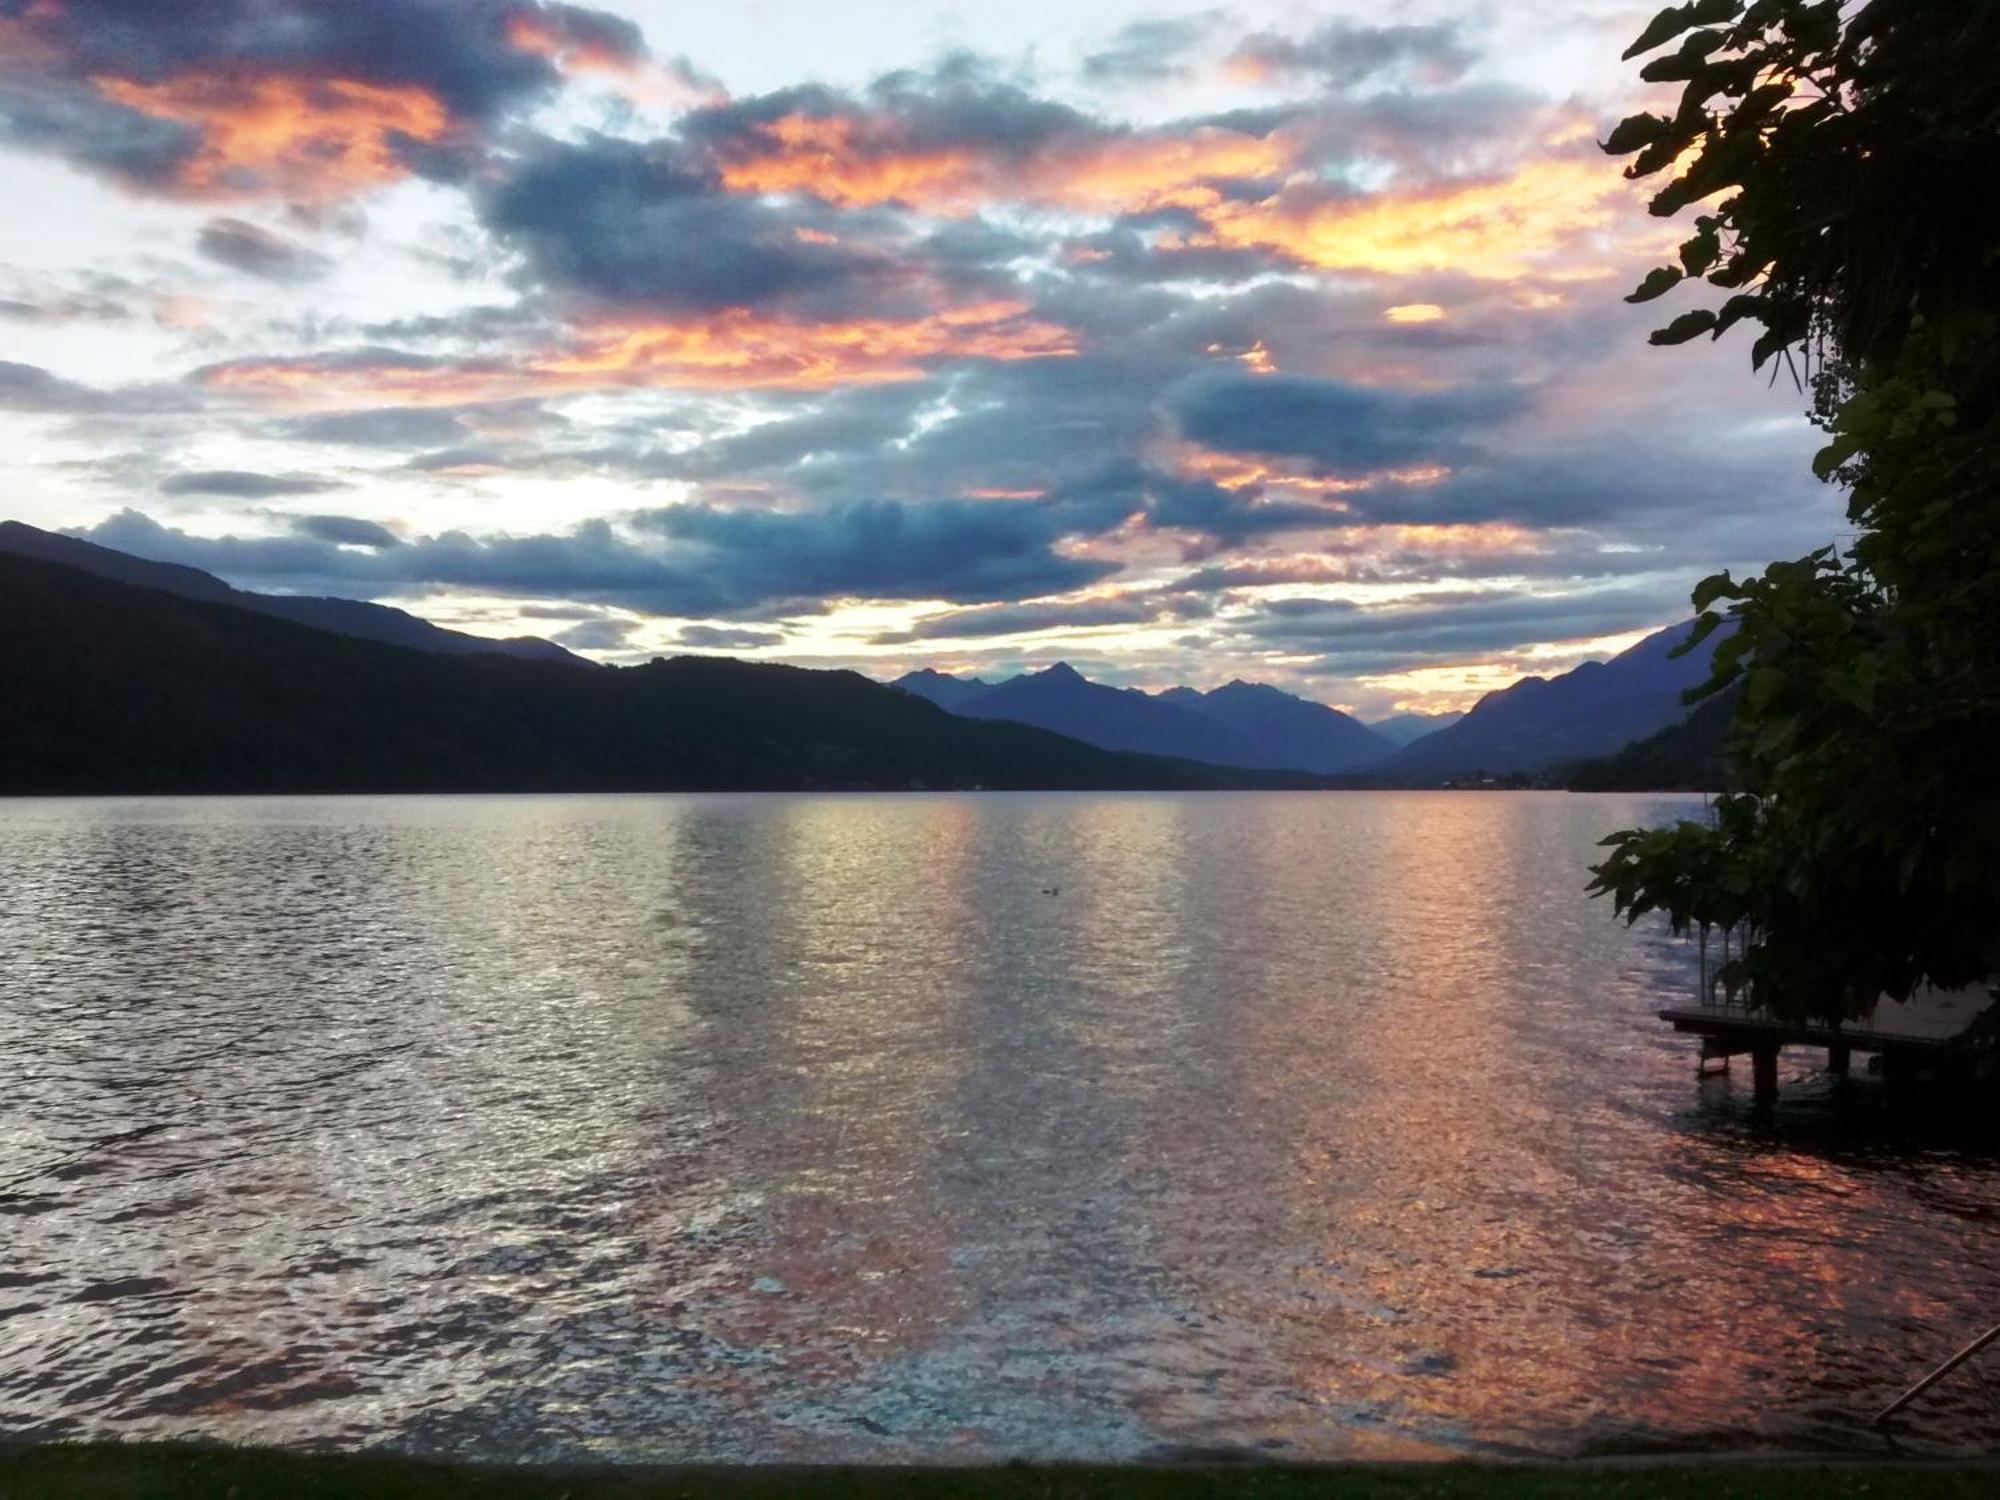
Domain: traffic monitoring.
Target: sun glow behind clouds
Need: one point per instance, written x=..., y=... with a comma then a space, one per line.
x=484, y=286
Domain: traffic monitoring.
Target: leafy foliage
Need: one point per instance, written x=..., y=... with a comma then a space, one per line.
x=1838, y=156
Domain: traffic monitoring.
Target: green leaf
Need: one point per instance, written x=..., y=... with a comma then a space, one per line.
x=1634, y=132
x=1688, y=325
x=1701, y=252
x=1715, y=586
x=1742, y=305
x=1675, y=19
x=1658, y=283
x=1684, y=64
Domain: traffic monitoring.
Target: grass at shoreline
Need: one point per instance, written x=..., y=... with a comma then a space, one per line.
x=185, y=1472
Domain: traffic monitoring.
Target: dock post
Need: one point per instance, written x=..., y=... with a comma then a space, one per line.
x=1764, y=1073
x=1837, y=1059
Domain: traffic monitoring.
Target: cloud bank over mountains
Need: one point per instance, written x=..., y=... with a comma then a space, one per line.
x=1211, y=350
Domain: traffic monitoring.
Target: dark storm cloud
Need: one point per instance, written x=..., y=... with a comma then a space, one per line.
x=644, y=227
x=80, y=78
x=716, y=638
x=1342, y=429
x=1454, y=625
x=258, y=252
x=241, y=484
x=1345, y=53
x=958, y=105
x=964, y=551
x=1014, y=619
x=345, y=531
x=596, y=635
x=692, y=559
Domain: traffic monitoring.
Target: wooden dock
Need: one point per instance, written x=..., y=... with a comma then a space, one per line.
x=1927, y=1030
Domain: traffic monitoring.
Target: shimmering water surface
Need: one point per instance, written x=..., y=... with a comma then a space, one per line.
x=921, y=1127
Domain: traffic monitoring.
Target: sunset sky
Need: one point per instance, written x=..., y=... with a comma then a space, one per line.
x=1272, y=340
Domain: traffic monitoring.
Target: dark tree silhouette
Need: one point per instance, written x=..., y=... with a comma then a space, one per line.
x=1839, y=159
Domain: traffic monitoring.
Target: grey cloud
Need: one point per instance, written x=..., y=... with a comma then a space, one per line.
x=641, y=225
x=716, y=638
x=597, y=635
x=241, y=484
x=1352, y=640
x=691, y=559
x=1014, y=619
x=1345, y=53
x=345, y=531
x=30, y=388
x=258, y=252
x=1151, y=50
x=381, y=427
x=1342, y=429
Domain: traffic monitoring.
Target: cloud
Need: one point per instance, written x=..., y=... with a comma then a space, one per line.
x=1342, y=54
x=1351, y=640
x=345, y=531
x=641, y=226
x=258, y=252
x=304, y=99
x=241, y=484
x=714, y=638
x=692, y=559
x=596, y=635
x=1018, y=619
x=1151, y=50
x=31, y=388
x=1340, y=428
x=381, y=427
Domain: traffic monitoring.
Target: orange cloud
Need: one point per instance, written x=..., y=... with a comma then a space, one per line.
x=846, y=161
x=1415, y=312
x=740, y=348
x=1233, y=471
x=308, y=138
x=856, y=161
x=1498, y=229
x=731, y=350
x=536, y=33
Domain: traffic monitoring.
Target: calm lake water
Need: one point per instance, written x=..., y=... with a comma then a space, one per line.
x=947, y=1127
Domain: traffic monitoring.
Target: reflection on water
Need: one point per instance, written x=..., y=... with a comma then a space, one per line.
x=895, y=1127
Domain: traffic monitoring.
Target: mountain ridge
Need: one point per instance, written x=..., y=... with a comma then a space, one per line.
x=358, y=618
x=114, y=688
x=1241, y=724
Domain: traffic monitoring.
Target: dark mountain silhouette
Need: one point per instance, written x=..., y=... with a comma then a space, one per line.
x=1404, y=729
x=368, y=622
x=1686, y=757
x=107, y=687
x=1063, y=700
x=1282, y=729
x=1244, y=724
x=945, y=691
x=1540, y=723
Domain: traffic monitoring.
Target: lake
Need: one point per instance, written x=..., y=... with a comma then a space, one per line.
x=924, y=1127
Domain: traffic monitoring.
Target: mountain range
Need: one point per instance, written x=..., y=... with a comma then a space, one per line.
x=109, y=687
x=352, y=617
x=1243, y=724
x=1543, y=723
x=1236, y=734
x=1400, y=729
x=1537, y=725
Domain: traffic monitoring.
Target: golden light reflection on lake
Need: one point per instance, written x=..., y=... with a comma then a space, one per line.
x=927, y=1126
